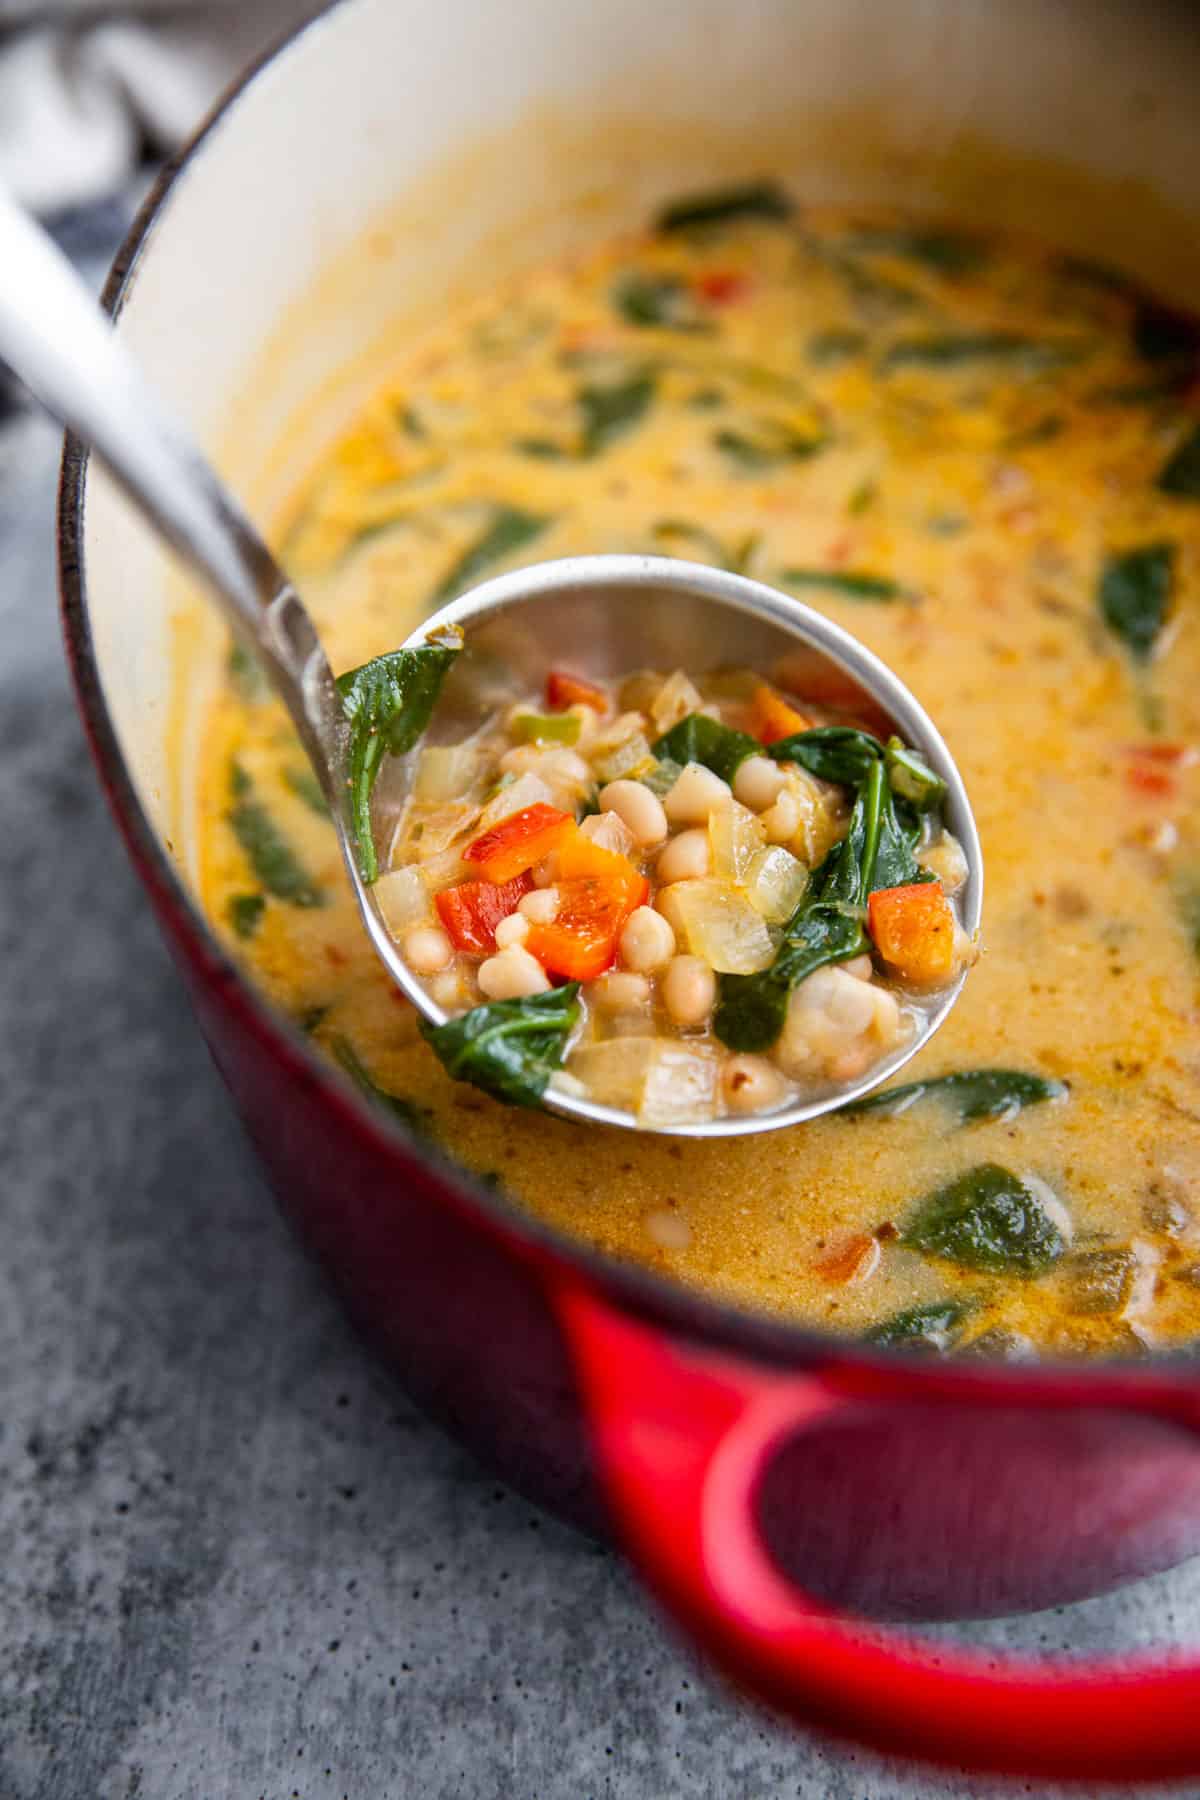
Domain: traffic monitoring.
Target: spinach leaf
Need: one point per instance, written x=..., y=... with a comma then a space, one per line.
x=988, y=1219
x=771, y=444
x=912, y=778
x=311, y=1019
x=509, y=530
x=1097, y=1281
x=972, y=1094
x=509, y=1048
x=850, y=584
x=835, y=346
x=387, y=704
x=245, y=913
x=749, y=200
x=946, y=252
x=276, y=865
x=751, y=1009
x=955, y=350
x=306, y=787
x=836, y=753
x=610, y=409
x=734, y=557
x=413, y=1118
x=1180, y=474
x=544, y=449
x=932, y=1326
x=664, y=302
x=1135, y=593
x=700, y=739
x=1187, y=905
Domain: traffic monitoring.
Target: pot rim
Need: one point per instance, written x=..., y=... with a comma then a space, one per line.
x=654, y=1296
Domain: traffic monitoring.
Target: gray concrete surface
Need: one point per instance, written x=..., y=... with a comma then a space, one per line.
x=234, y=1563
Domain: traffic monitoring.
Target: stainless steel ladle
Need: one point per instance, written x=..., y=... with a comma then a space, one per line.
x=600, y=615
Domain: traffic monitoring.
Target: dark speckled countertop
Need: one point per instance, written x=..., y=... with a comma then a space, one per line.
x=235, y=1564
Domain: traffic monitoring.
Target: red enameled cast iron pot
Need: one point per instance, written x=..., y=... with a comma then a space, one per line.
x=772, y=1486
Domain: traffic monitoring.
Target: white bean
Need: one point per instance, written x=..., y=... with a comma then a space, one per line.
x=694, y=794
x=512, y=974
x=689, y=989
x=859, y=966
x=946, y=860
x=640, y=810
x=513, y=930
x=540, y=907
x=750, y=1084
x=781, y=821
x=686, y=858
x=647, y=941
x=758, y=783
x=619, y=992
x=427, y=949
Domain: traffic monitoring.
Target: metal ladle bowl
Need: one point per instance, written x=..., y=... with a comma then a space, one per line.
x=604, y=616
x=601, y=615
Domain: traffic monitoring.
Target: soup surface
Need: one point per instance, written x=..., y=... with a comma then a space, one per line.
x=984, y=460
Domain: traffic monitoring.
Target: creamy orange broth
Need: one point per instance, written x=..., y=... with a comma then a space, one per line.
x=976, y=427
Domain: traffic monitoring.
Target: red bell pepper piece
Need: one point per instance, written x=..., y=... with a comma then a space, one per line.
x=518, y=842
x=722, y=287
x=563, y=690
x=471, y=911
x=597, y=891
x=913, y=930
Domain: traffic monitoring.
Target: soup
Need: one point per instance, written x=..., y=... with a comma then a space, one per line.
x=984, y=460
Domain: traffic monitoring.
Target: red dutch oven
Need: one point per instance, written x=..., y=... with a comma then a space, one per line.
x=776, y=1489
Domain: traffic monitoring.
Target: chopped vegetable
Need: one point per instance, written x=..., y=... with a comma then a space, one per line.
x=954, y=350
x=932, y=1326
x=912, y=778
x=402, y=898
x=751, y=200
x=734, y=556
x=445, y=772
x=547, y=728
x=719, y=923
x=471, y=910
x=509, y=1048
x=518, y=842
x=735, y=834
x=306, y=787
x=509, y=530
x=913, y=930
x=664, y=301
x=563, y=690
x=1135, y=595
x=850, y=584
x=413, y=1118
x=1097, y=1281
x=776, y=883
x=1180, y=474
x=387, y=703
x=772, y=718
x=946, y=252
x=245, y=913
x=988, y=1219
x=597, y=890
x=276, y=865
x=611, y=409
x=837, y=753
x=971, y=1094
x=699, y=739
x=770, y=444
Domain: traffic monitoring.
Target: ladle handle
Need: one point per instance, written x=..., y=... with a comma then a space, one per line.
x=65, y=351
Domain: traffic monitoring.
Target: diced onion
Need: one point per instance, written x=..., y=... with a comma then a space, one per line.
x=734, y=836
x=718, y=923
x=426, y=831
x=680, y=1085
x=675, y=699
x=775, y=884
x=630, y=757
x=446, y=772
x=526, y=790
x=402, y=898
x=614, y=1071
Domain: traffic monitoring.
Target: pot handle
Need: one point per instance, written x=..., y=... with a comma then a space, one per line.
x=681, y=1438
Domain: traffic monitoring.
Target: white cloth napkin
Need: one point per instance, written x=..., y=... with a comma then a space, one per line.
x=86, y=88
